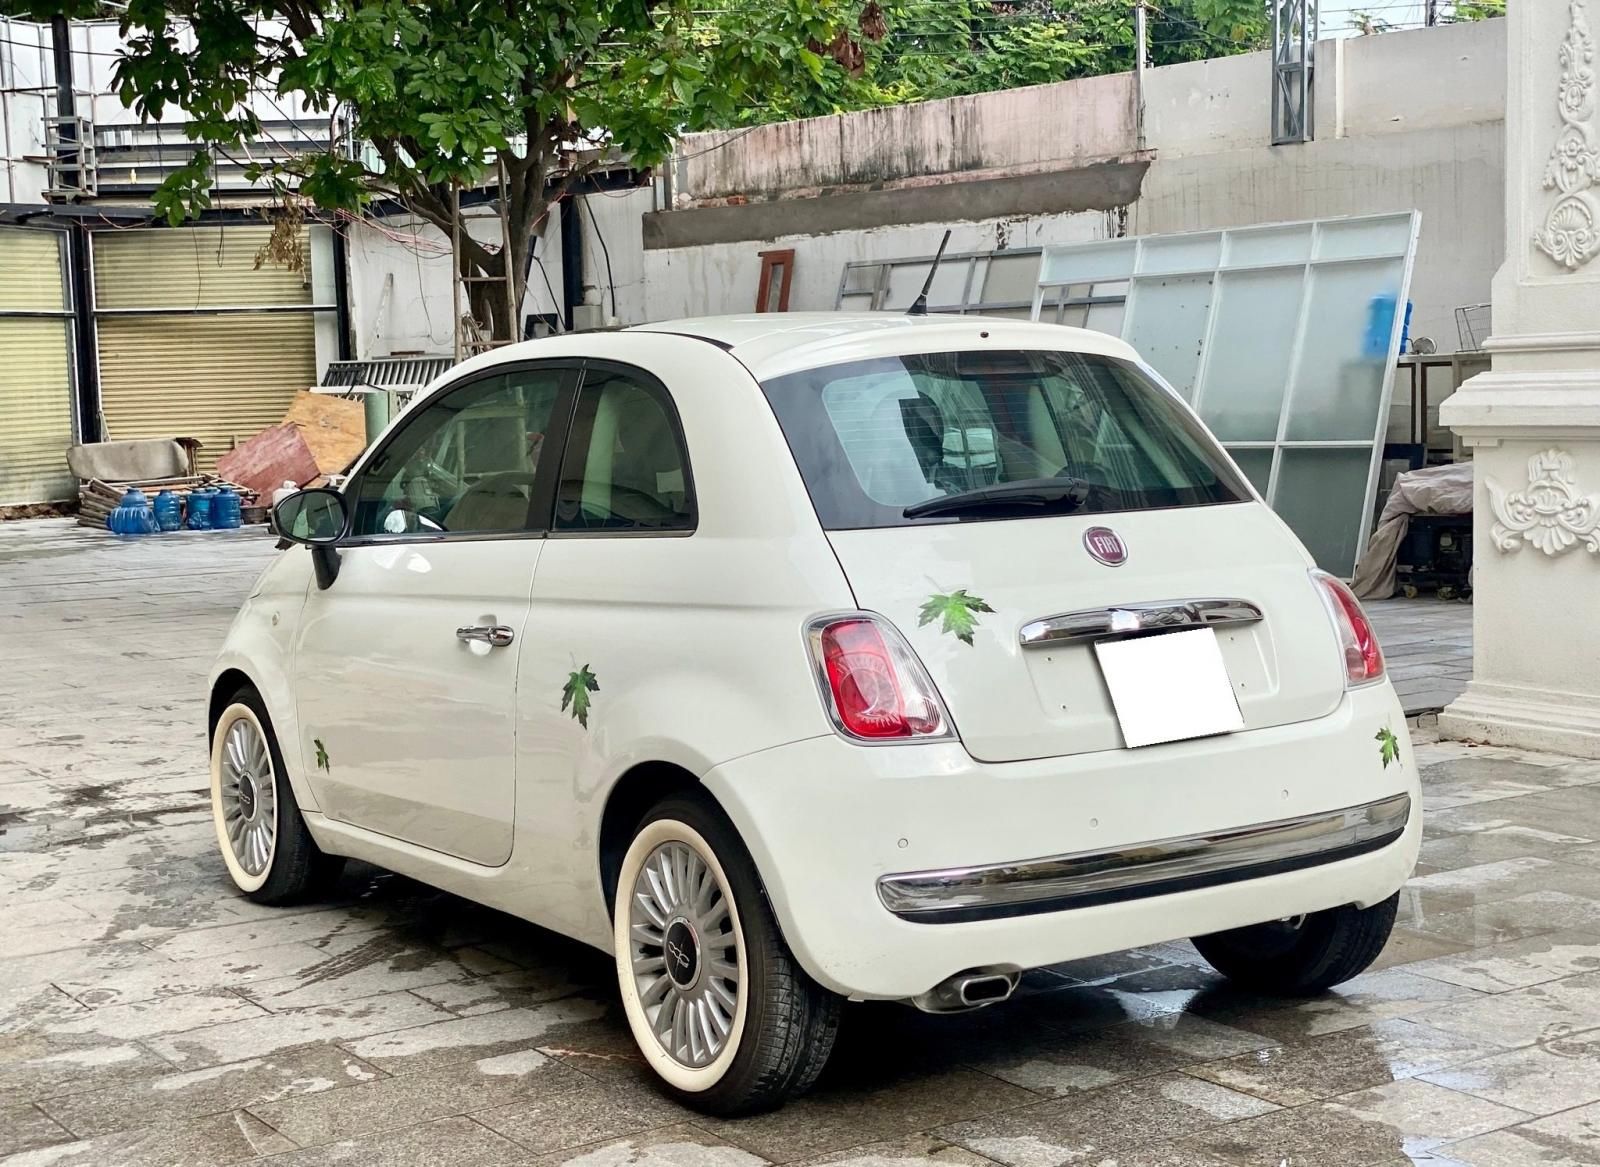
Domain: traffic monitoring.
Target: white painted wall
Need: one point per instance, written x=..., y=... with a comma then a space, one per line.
x=411, y=258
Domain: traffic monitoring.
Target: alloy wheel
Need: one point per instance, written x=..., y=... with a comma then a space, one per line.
x=249, y=796
x=685, y=954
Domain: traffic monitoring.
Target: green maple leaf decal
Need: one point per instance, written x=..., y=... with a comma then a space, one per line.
x=575, y=693
x=1388, y=746
x=322, y=753
x=957, y=612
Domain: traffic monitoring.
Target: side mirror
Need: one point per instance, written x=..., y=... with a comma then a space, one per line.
x=311, y=517
x=318, y=519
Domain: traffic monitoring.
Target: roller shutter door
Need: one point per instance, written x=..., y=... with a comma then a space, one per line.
x=35, y=369
x=178, y=357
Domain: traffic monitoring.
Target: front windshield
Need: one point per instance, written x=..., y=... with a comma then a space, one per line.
x=874, y=437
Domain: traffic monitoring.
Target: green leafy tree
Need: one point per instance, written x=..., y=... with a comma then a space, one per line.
x=430, y=95
x=1466, y=11
x=950, y=48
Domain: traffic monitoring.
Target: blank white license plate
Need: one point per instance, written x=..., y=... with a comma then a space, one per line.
x=1169, y=687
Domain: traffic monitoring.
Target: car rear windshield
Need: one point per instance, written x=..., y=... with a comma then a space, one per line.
x=993, y=435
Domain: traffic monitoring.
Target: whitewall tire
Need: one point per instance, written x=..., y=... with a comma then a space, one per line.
x=265, y=845
x=717, y=1004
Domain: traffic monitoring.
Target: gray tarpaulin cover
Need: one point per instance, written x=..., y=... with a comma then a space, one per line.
x=1433, y=490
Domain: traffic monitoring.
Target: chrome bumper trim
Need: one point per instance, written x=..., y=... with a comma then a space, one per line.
x=1148, y=869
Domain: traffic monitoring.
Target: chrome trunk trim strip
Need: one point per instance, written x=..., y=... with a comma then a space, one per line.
x=1100, y=623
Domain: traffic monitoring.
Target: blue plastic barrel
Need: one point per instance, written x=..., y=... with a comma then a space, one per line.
x=132, y=515
x=225, y=510
x=169, y=516
x=199, y=516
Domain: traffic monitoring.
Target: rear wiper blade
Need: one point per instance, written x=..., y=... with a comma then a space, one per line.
x=1066, y=494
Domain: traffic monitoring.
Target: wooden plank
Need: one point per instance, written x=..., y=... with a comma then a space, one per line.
x=334, y=428
x=268, y=460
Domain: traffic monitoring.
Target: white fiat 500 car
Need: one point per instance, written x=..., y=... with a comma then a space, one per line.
x=809, y=658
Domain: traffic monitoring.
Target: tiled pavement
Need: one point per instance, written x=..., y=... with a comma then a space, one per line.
x=150, y=1018
x=1428, y=645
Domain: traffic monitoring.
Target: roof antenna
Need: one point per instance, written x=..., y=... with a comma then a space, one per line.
x=920, y=307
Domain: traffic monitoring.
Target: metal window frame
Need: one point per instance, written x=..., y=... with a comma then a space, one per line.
x=967, y=306
x=68, y=313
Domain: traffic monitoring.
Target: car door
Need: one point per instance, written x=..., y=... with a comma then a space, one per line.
x=406, y=666
x=617, y=580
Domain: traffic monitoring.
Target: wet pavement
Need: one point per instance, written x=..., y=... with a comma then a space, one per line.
x=1428, y=645
x=151, y=1018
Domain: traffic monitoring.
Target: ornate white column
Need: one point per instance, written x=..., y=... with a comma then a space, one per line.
x=1534, y=420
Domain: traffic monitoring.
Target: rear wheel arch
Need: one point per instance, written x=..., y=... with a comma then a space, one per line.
x=631, y=797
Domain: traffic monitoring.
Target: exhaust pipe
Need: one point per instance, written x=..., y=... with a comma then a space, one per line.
x=972, y=989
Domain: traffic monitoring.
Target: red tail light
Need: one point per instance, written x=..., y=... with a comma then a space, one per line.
x=876, y=689
x=1363, y=659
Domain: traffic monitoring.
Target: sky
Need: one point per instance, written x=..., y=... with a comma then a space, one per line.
x=1335, y=14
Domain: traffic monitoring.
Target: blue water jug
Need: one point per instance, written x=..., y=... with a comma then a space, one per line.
x=199, y=516
x=225, y=510
x=132, y=515
x=169, y=516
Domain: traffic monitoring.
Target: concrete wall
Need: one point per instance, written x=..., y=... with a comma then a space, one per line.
x=1404, y=120
x=1016, y=130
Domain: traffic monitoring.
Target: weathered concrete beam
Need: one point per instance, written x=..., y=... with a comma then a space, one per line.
x=1100, y=186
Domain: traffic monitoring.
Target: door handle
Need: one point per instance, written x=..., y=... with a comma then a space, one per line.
x=494, y=635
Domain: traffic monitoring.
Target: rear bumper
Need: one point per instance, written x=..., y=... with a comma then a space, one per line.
x=1163, y=867
x=892, y=869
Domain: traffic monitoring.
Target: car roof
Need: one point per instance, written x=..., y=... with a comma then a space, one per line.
x=772, y=344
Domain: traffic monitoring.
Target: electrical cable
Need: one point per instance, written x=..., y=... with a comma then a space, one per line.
x=605, y=251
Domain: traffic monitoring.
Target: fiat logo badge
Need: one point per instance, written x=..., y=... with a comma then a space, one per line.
x=1106, y=545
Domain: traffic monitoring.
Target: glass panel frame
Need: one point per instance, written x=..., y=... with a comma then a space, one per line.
x=1362, y=337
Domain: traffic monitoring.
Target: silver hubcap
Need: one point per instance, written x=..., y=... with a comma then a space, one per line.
x=685, y=960
x=249, y=796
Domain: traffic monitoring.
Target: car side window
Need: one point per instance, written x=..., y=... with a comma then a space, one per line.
x=465, y=463
x=625, y=468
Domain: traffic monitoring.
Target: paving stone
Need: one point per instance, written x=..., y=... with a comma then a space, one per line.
x=259, y=1036
x=164, y=1015
x=457, y=1039
x=847, y=1111
x=383, y=1102
x=195, y=1093
x=1482, y=925
x=911, y=1151
x=216, y=1141
x=160, y=977
x=1559, y=1073
x=1520, y=1017
x=1394, y=1124
x=447, y=1142
x=588, y=1113
x=1517, y=964
x=1568, y=1139
x=1104, y=1122
x=34, y=1069
x=1341, y=1062
x=23, y=1127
